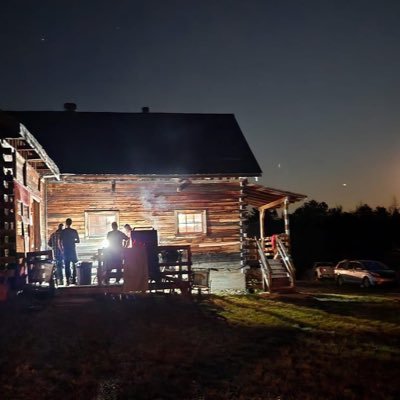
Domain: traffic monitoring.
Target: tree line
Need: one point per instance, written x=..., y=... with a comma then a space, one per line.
x=320, y=233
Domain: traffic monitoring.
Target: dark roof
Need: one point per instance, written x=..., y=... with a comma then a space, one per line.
x=142, y=143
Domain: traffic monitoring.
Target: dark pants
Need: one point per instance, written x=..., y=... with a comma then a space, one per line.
x=59, y=270
x=113, y=261
x=68, y=263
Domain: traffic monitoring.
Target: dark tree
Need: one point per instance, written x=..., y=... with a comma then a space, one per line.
x=273, y=223
x=320, y=233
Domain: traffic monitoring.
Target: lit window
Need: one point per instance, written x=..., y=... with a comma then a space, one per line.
x=98, y=223
x=191, y=222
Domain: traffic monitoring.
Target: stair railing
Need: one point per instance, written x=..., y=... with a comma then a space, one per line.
x=286, y=259
x=265, y=268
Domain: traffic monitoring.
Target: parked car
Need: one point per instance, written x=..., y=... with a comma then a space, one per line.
x=364, y=272
x=324, y=270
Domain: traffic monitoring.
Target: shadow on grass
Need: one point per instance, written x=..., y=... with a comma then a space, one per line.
x=147, y=348
x=377, y=304
x=158, y=347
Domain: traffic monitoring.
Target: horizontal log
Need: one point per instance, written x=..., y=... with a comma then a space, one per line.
x=154, y=203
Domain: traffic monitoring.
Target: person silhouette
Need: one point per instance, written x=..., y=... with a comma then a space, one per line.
x=128, y=230
x=116, y=240
x=69, y=238
x=55, y=244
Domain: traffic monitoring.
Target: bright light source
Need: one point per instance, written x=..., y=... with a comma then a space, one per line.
x=106, y=243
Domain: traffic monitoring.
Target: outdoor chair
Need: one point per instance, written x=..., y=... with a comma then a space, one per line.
x=201, y=280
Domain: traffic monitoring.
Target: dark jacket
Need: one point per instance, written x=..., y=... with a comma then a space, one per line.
x=69, y=237
x=55, y=243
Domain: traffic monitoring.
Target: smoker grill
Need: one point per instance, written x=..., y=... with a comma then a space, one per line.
x=148, y=238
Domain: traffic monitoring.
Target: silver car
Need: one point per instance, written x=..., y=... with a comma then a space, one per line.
x=366, y=273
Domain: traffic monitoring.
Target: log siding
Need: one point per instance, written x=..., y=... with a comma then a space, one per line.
x=151, y=202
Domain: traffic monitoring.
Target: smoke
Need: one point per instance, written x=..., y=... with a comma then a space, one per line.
x=152, y=201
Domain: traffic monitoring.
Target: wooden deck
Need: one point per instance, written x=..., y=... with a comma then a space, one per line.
x=118, y=289
x=172, y=276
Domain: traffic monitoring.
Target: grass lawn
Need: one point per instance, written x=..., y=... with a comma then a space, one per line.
x=319, y=343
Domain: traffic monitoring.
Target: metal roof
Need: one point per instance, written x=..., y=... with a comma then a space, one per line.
x=142, y=143
x=20, y=138
x=266, y=197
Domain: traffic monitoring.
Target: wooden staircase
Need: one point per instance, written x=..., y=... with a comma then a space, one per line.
x=279, y=275
x=275, y=272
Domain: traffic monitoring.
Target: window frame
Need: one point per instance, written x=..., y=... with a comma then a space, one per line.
x=203, y=214
x=355, y=265
x=343, y=265
x=88, y=213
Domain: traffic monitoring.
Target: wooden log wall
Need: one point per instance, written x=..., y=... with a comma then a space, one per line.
x=33, y=181
x=28, y=226
x=19, y=168
x=33, y=238
x=143, y=203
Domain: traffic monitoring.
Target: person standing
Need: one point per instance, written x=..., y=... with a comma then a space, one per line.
x=116, y=241
x=128, y=231
x=55, y=243
x=69, y=238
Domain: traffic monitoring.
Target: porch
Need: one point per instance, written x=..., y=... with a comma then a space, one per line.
x=267, y=260
x=229, y=281
x=143, y=270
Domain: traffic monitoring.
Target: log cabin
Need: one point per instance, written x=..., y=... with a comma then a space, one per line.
x=188, y=176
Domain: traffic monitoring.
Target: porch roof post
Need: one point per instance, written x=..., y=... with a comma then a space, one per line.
x=261, y=212
x=261, y=216
x=286, y=217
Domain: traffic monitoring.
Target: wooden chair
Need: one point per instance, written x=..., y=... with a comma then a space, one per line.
x=175, y=268
x=201, y=280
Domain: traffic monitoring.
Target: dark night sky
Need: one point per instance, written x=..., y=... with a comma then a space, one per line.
x=314, y=84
